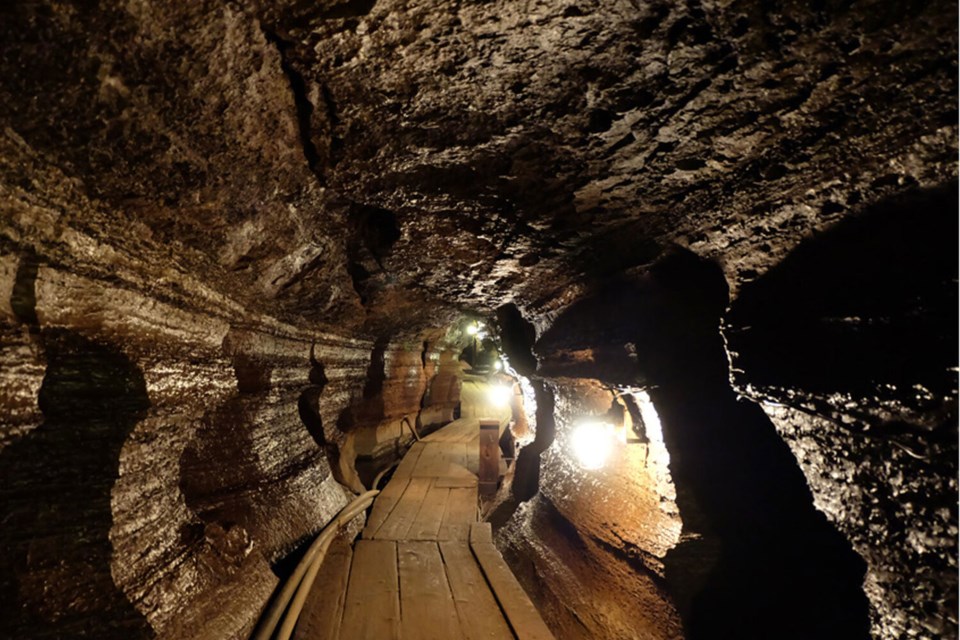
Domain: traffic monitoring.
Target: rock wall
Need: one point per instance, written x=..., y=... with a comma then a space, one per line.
x=589, y=547
x=155, y=465
x=231, y=227
x=166, y=445
x=752, y=552
x=850, y=345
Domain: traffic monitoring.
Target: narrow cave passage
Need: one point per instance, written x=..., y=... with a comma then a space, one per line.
x=587, y=320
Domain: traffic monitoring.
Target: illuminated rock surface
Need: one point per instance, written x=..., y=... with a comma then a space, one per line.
x=236, y=240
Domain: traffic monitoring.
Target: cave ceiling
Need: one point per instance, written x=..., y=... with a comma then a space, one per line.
x=375, y=165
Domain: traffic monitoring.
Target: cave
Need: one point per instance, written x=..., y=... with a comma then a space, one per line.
x=253, y=255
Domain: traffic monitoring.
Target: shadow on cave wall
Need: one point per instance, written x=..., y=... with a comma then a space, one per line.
x=308, y=404
x=55, y=497
x=829, y=315
x=368, y=409
x=859, y=326
x=769, y=564
x=219, y=470
x=781, y=570
x=222, y=474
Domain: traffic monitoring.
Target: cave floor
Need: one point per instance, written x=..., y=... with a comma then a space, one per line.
x=425, y=567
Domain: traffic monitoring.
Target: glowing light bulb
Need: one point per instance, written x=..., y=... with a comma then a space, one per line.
x=592, y=443
x=473, y=329
x=497, y=365
x=500, y=395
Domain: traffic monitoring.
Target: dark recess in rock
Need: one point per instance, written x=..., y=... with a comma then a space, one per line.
x=737, y=480
x=855, y=332
x=517, y=337
x=23, y=297
x=304, y=107
x=825, y=317
x=253, y=376
x=526, y=479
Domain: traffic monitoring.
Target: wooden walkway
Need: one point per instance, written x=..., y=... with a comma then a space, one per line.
x=425, y=568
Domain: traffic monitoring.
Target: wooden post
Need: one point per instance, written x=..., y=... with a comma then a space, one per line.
x=489, y=456
x=508, y=444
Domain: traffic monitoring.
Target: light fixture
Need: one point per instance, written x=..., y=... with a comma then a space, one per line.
x=497, y=365
x=592, y=443
x=499, y=395
x=472, y=329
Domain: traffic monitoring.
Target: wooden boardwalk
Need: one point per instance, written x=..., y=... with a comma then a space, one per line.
x=425, y=568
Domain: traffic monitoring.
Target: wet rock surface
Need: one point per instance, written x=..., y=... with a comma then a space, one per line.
x=234, y=239
x=589, y=547
x=748, y=517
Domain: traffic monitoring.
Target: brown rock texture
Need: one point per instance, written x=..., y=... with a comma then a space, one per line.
x=590, y=546
x=157, y=482
x=238, y=242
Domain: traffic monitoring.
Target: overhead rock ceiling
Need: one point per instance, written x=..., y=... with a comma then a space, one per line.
x=332, y=155
x=264, y=217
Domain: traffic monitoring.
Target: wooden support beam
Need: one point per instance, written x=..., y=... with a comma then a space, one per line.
x=489, y=456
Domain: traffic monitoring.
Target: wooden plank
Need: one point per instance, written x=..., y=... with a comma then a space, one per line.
x=323, y=609
x=481, y=532
x=398, y=522
x=431, y=463
x=457, y=478
x=460, y=514
x=455, y=453
x=523, y=617
x=469, y=429
x=373, y=596
x=477, y=609
x=455, y=472
x=453, y=431
x=384, y=505
x=443, y=434
x=473, y=432
x=426, y=525
x=428, y=611
x=442, y=459
x=473, y=454
x=489, y=457
x=409, y=462
x=457, y=429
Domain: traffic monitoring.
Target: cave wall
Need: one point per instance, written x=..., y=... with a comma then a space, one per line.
x=590, y=545
x=849, y=346
x=248, y=213
x=842, y=409
x=167, y=446
x=155, y=465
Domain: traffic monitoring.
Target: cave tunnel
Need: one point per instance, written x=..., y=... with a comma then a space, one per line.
x=442, y=319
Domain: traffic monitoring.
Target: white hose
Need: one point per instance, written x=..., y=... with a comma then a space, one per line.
x=311, y=562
